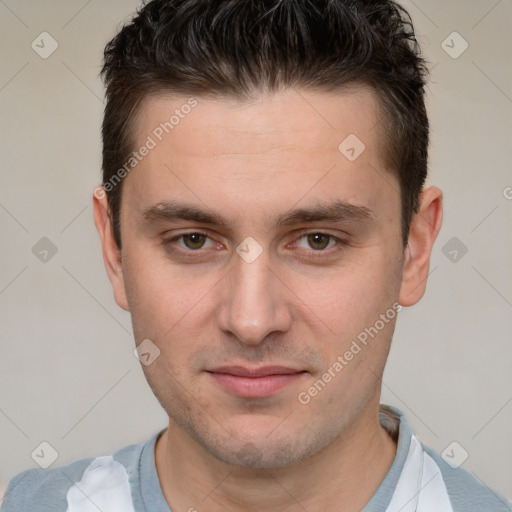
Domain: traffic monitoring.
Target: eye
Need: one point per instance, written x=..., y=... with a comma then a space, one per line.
x=190, y=242
x=319, y=241
x=194, y=240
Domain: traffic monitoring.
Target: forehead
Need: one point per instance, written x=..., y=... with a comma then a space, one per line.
x=263, y=153
x=315, y=119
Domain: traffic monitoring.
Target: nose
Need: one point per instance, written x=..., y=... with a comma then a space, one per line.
x=254, y=302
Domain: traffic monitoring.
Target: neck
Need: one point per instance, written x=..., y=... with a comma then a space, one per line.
x=348, y=472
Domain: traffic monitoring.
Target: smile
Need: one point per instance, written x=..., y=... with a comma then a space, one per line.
x=257, y=382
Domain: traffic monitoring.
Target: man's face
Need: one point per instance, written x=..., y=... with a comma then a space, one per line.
x=295, y=295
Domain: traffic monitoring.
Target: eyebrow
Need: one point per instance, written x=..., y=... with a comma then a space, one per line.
x=337, y=211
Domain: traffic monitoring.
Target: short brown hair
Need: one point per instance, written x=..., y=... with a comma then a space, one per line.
x=237, y=47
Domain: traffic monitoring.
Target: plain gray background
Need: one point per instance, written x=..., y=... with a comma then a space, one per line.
x=68, y=375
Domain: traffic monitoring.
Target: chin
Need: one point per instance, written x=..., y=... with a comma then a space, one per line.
x=263, y=448
x=262, y=455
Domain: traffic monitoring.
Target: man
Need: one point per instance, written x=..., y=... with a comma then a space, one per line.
x=263, y=217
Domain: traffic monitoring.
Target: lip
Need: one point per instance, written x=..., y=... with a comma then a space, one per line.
x=259, y=382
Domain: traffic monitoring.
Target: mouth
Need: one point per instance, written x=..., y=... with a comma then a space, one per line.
x=246, y=382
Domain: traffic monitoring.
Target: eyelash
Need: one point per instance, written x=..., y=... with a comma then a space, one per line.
x=319, y=253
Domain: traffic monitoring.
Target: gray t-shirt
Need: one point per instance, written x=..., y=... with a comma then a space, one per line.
x=48, y=490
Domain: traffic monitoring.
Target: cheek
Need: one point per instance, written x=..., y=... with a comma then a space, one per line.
x=351, y=297
x=170, y=305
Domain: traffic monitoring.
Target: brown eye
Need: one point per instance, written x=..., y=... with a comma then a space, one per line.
x=318, y=241
x=194, y=240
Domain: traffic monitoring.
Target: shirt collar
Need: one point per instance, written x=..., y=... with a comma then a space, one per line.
x=392, y=419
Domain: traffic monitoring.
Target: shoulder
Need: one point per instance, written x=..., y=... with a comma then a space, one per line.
x=48, y=488
x=465, y=491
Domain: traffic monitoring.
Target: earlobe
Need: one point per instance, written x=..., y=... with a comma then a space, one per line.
x=110, y=250
x=425, y=226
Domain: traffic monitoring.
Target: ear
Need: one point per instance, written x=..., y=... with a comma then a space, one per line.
x=111, y=252
x=425, y=226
